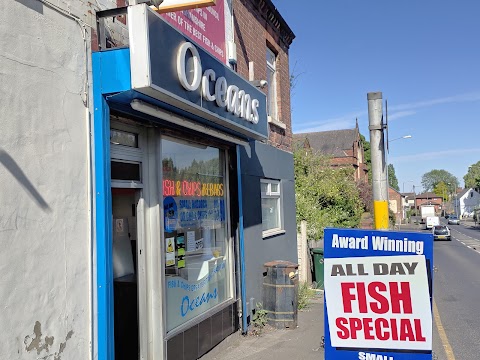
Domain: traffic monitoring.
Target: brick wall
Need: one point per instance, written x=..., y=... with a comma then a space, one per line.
x=253, y=33
x=395, y=204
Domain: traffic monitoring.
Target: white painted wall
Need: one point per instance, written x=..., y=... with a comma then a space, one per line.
x=468, y=202
x=45, y=259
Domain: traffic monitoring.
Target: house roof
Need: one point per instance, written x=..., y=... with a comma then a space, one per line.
x=334, y=142
x=395, y=190
x=463, y=192
x=409, y=195
x=431, y=202
x=428, y=195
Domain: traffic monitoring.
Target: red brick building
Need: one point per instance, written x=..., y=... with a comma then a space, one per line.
x=429, y=198
x=396, y=203
x=259, y=28
x=344, y=146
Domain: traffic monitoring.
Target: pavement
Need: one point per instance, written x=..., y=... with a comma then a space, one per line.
x=302, y=343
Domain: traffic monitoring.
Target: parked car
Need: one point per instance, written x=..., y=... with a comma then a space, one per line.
x=453, y=220
x=441, y=232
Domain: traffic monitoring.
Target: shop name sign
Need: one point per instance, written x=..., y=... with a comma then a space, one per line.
x=229, y=97
x=168, y=66
x=378, y=298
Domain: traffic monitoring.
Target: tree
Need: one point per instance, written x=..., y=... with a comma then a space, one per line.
x=433, y=177
x=392, y=178
x=325, y=195
x=365, y=192
x=472, y=178
x=367, y=156
x=442, y=189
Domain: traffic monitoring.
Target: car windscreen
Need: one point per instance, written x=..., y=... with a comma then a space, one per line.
x=441, y=231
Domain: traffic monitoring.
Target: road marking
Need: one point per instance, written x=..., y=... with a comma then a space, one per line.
x=442, y=333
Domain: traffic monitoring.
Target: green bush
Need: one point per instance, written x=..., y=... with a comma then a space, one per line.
x=259, y=319
x=305, y=293
x=326, y=196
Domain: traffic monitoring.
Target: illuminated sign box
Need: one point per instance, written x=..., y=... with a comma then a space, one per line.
x=168, y=66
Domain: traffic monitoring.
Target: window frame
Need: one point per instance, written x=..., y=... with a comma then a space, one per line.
x=128, y=154
x=272, y=86
x=269, y=194
x=231, y=296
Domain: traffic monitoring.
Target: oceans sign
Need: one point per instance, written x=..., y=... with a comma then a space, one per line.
x=378, y=295
x=191, y=296
x=167, y=65
x=229, y=97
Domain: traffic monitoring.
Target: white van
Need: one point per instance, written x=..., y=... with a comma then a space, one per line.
x=432, y=221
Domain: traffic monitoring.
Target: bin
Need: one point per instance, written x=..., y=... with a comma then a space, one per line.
x=318, y=266
x=280, y=294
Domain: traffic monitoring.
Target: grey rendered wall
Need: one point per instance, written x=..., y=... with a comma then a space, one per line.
x=45, y=258
x=261, y=161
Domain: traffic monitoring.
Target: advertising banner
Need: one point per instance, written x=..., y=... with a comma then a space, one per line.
x=378, y=294
x=206, y=26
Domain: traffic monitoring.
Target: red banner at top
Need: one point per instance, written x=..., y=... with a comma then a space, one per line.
x=205, y=26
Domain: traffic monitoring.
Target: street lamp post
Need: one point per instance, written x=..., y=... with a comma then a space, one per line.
x=448, y=195
x=404, y=184
x=404, y=206
x=401, y=137
x=388, y=181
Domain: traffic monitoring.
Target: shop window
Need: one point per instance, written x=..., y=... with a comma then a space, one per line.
x=271, y=207
x=127, y=145
x=195, y=233
x=272, y=85
x=119, y=137
x=122, y=170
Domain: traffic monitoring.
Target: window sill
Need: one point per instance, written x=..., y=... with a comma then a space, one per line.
x=272, y=233
x=276, y=123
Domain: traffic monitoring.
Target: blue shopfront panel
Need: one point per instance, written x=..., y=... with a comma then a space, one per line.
x=378, y=295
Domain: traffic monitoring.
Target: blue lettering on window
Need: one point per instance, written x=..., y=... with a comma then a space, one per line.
x=189, y=304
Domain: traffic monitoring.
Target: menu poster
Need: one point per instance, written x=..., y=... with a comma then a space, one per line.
x=170, y=251
x=180, y=247
x=191, y=246
x=199, y=244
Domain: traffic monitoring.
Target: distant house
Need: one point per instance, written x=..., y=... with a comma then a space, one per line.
x=466, y=201
x=409, y=200
x=429, y=198
x=396, y=203
x=344, y=146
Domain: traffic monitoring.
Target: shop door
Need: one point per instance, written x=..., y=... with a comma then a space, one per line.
x=128, y=187
x=125, y=272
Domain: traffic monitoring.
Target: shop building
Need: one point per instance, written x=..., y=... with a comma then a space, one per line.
x=147, y=184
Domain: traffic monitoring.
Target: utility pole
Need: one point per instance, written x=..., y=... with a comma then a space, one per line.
x=415, y=200
x=379, y=164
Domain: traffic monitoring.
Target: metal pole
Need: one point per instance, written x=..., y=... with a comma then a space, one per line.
x=379, y=164
x=414, y=200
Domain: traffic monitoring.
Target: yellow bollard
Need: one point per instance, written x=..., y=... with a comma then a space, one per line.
x=380, y=214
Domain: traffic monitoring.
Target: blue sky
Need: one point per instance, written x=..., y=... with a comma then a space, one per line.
x=424, y=56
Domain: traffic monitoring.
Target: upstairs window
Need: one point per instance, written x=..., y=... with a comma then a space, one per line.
x=272, y=85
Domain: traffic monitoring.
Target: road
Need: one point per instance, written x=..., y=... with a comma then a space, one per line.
x=457, y=293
